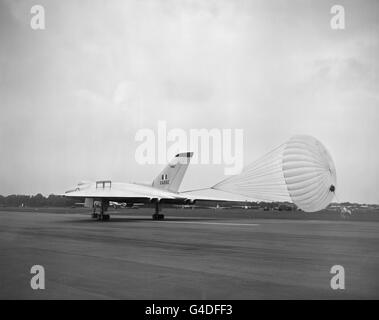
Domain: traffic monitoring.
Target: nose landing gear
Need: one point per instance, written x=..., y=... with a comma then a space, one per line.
x=102, y=216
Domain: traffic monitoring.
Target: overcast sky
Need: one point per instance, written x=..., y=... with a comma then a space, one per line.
x=73, y=96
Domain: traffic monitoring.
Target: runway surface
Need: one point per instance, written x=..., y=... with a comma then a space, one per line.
x=185, y=257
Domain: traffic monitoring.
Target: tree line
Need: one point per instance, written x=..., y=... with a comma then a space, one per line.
x=37, y=200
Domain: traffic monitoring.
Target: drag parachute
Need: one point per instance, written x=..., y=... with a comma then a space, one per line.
x=300, y=171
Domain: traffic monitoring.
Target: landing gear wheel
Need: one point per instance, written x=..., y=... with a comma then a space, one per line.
x=94, y=216
x=105, y=217
x=158, y=216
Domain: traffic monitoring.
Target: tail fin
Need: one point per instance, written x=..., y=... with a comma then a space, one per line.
x=171, y=177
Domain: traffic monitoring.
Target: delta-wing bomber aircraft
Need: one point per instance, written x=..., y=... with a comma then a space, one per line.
x=163, y=190
x=299, y=171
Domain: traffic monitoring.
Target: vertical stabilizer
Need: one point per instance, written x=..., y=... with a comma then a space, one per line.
x=172, y=175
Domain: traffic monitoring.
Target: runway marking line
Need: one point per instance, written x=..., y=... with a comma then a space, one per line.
x=214, y=223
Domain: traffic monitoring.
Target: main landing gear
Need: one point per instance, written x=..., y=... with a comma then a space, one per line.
x=104, y=204
x=157, y=215
x=102, y=216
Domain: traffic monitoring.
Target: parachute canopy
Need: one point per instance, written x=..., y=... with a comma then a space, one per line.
x=300, y=171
